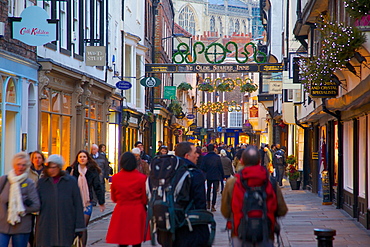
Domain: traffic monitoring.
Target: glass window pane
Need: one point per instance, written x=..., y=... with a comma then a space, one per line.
x=99, y=111
x=93, y=132
x=66, y=138
x=87, y=109
x=11, y=92
x=99, y=127
x=45, y=101
x=55, y=134
x=86, y=134
x=44, y=137
x=55, y=102
x=92, y=110
x=67, y=104
x=1, y=89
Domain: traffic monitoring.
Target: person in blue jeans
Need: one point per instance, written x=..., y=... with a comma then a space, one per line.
x=18, y=200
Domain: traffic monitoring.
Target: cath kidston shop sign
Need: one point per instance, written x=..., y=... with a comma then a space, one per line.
x=34, y=27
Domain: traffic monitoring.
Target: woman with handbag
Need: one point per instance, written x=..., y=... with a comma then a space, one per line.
x=18, y=199
x=61, y=213
x=87, y=173
x=127, y=225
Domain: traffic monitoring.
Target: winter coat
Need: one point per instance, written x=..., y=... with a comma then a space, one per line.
x=61, y=213
x=103, y=163
x=200, y=234
x=34, y=175
x=212, y=166
x=93, y=181
x=128, y=221
x=28, y=191
x=227, y=166
x=143, y=167
x=256, y=175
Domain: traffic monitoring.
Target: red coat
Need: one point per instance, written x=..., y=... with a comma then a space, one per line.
x=129, y=216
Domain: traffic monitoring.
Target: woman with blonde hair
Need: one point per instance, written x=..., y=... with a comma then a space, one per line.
x=18, y=199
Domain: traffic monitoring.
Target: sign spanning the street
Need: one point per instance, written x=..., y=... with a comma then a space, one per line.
x=95, y=55
x=150, y=82
x=327, y=90
x=34, y=27
x=123, y=85
x=213, y=68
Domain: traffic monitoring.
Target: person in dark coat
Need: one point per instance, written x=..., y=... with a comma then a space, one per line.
x=199, y=237
x=227, y=166
x=86, y=171
x=61, y=214
x=212, y=166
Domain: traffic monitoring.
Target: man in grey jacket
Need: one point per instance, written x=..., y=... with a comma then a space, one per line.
x=102, y=162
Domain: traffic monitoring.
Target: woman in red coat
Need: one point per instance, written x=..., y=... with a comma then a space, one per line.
x=129, y=216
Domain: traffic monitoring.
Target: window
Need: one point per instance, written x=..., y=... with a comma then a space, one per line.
x=93, y=123
x=212, y=24
x=15, y=7
x=231, y=27
x=63, y=24
x=187, y=20
x=235, y=119
x=220, y=29
x=128, y=70
x=244, y=27
x=55, y=137
x=237, y=27
x=75, y=28
x=11, y=92
x=138, y=86
x=361, y=157
x=348, y=155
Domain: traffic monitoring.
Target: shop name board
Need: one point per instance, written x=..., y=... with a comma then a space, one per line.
x=327, y=90
x=95, y=55
x=34, y=27
x=212, y=68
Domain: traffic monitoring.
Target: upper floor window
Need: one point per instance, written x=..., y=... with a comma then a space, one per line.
x=187, y=20
x=235, y=119
x=11, y=93
x=220, y=30
x=237, y=26
x=212, y=25
x=231, y=27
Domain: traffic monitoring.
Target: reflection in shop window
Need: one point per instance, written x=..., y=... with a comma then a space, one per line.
x=67, y=104
x=11, y=92
x=45, y=101
x=66, y=137
x=55, y=134
x=44, y=138
x=55, y=102
x=92, y=111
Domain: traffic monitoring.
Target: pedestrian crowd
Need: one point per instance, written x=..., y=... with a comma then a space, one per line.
x=165, y=199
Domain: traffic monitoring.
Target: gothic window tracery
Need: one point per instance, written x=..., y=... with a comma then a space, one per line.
x=187, y=20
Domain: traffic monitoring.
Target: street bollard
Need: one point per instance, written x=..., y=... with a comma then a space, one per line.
x=324, y=237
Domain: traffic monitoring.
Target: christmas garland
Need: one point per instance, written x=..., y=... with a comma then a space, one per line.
x=357, y=8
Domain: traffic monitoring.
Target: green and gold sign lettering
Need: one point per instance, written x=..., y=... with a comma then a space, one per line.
x=216, y=53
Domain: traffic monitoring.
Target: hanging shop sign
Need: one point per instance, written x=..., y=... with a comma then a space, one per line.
x=169, y=92
x=180, y=116
x=216, y=53
x=327, y=90
x=95, y=55
x=124, y=85
x=34, y=27
x=177, y=132
x=193, y=127
x=213, y=68
x=203, y=131
x=150, y=82
x=253, y=111
x=190, y=116
x=275, y=83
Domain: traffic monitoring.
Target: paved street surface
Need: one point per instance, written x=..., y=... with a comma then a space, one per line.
x=306, y=213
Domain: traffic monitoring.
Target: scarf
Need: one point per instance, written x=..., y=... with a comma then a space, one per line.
x=84, y=188
x=16, y=208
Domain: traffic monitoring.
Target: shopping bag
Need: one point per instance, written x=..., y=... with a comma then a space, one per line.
x=77, y=242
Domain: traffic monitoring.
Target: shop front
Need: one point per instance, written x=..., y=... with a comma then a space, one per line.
x=74, y=110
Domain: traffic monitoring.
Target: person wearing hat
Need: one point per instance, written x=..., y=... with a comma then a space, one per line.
x=61, y=216
x=18, y=200
x=142, y=165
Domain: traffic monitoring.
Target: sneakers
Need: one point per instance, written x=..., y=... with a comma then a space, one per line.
x=213, y=209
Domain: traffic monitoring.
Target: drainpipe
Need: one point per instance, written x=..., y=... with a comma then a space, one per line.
x=337, y=115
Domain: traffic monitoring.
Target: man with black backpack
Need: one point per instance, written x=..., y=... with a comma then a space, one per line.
x=279, y=163
x=251, y=203
x=177, y=201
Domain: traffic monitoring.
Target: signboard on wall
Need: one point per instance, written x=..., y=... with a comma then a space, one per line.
x=327, y=90
x=169, y=92
x=253, y=111
x=34, y=27
x=95, y=55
